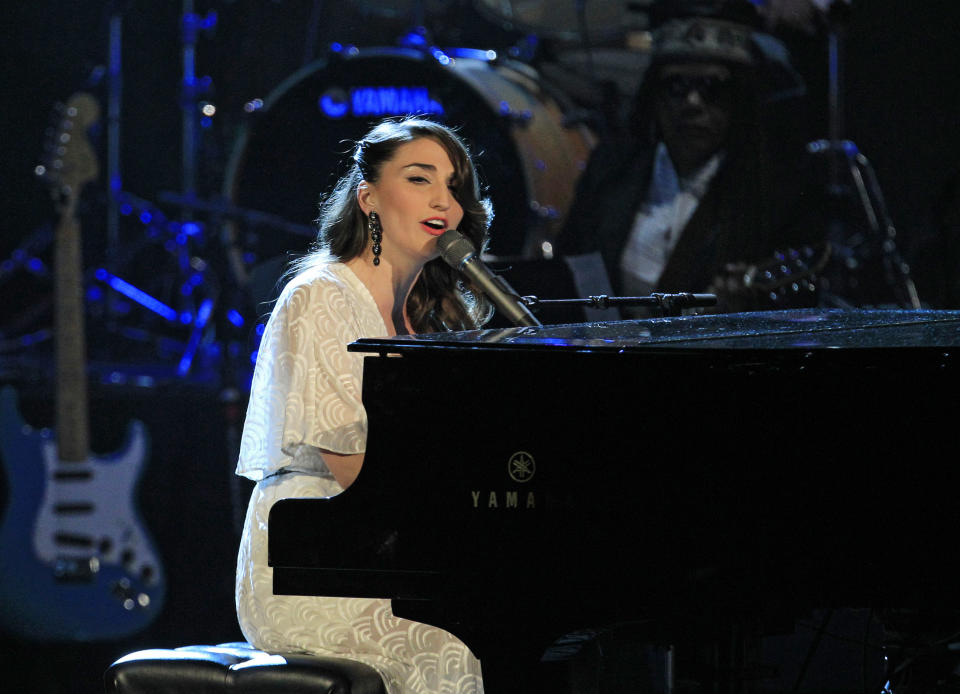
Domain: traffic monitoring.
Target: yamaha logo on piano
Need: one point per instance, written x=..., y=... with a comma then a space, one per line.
x=521, y=467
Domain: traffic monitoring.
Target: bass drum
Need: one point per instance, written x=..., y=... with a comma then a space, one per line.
x=293, y=147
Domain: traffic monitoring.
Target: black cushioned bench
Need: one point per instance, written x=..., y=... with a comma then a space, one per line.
x=236, y=668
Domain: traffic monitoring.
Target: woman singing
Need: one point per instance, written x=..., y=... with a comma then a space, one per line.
x=374, y=271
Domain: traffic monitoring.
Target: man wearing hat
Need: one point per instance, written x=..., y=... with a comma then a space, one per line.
x=690, y=190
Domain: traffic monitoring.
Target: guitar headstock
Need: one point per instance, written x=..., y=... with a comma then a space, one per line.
x=789, y=269
x=789, y=279
x=69, y=161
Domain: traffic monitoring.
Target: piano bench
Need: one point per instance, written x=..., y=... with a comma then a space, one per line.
x=237, y=667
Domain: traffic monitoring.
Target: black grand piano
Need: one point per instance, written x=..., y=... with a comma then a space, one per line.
x=524, y=483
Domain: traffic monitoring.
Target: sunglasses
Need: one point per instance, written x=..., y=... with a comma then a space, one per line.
x=709, y=87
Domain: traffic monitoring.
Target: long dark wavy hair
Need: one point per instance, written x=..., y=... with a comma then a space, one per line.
x=441, y=299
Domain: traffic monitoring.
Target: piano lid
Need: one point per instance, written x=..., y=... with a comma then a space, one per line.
x=803, y=329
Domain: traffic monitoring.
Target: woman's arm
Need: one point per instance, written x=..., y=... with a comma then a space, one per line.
x=344, y=468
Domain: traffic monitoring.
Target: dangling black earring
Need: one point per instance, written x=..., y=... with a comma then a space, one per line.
x=376, y=235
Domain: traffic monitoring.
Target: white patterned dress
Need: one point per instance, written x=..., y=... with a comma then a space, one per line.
x=305, y=396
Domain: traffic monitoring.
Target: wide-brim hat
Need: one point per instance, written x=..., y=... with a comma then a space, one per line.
x=703, y=39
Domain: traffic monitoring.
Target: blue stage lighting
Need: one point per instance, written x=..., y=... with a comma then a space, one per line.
x=136, y=294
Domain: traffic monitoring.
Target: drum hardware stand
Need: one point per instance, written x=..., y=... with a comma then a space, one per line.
x=194, y=309
x=191, y=88
x=844, y=155
x=668, y=304
x=223, y=207
x=583, y=28
x=313, y=23
x=114, y=172
x=188, y=202
x=24, y=258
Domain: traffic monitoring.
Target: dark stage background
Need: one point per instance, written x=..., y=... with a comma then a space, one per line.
x=902, y=99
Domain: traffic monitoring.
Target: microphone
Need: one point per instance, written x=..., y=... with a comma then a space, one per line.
x=459, y=253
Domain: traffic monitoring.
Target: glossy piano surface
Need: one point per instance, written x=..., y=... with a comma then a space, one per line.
x=762, y=330
x=523, y=483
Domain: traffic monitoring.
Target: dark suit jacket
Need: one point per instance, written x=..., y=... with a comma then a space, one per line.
x=731, y=224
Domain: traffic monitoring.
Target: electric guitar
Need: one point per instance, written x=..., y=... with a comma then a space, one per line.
x=75, y=562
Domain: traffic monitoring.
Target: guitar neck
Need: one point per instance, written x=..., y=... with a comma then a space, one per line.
x=71, y=386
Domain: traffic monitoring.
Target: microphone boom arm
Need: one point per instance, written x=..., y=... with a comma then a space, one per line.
x=670, y=304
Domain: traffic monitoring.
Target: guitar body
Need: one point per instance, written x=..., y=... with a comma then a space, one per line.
x=79, y=566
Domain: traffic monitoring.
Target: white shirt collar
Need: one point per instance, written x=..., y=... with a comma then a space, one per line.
x=666, y=183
